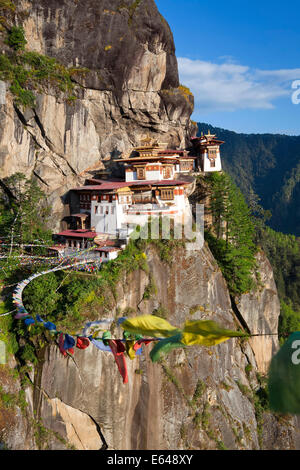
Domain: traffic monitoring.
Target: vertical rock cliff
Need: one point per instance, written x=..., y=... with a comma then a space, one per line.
x=126, y=81
x=197, y=398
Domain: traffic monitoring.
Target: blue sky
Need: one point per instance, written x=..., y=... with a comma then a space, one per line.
x=240, y=59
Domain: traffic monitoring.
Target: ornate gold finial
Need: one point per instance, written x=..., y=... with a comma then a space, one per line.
x=210, y=136
x=147, y=140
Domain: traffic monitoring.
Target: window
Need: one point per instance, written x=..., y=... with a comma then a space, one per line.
x=167, y=194
x=212, y=163
x=167, y=172
x=141, y=173
x=101, y=209
x=96, y=209
x=112, y=210
x=185, y=165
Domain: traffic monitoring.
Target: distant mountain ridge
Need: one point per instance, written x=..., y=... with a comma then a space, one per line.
x=269, y=164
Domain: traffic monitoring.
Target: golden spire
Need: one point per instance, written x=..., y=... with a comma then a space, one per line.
x=147, y=141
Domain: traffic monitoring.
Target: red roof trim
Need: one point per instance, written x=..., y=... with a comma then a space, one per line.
x=112, y=185
x=78, y=234
x=107, y=248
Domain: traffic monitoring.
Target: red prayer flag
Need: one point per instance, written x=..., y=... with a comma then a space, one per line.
x=82, y=343
x=118, y=350
x=61, y=344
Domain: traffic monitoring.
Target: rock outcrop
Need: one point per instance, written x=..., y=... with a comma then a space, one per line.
x=260, y=310
x=197, y=398
x=129, y=90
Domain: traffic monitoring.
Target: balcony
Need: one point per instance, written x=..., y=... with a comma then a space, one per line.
x=134, y=208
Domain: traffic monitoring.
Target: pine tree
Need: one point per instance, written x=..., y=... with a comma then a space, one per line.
x=232, y=232
x=24, y=211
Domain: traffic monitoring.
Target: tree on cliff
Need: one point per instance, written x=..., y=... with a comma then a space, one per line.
x=24, y=212
x=232, y=232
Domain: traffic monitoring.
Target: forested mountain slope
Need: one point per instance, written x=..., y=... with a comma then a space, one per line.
x=269, y=165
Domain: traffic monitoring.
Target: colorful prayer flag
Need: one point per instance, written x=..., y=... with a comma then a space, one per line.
x=164, y=346
x=207, y=333
x=149, y=325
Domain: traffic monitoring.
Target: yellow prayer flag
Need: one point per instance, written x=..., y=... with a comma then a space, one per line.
x=206, y=333
x=150, y=325
x=129, y=348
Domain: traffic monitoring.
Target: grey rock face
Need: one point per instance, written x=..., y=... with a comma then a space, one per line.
x=130, y=90
x=2, y=92
x=260, y=310
x=197, y=398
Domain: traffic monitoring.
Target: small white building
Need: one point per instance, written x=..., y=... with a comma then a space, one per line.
x=107, y=253
x=207, y=147
x=156, y=164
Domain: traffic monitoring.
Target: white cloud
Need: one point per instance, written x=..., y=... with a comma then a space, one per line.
x=229, y=86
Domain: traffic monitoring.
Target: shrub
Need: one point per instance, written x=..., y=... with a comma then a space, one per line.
x=16, y=38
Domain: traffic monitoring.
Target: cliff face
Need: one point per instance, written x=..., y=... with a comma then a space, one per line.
x=198, y=398
x=129, y=90
x=258, y=311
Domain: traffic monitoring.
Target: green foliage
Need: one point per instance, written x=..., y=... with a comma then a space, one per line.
x=44, y=435
x=260, y=400
x=16, y=38
x=130, y=7
x=225, y=386
x=7, y=400
x=165, y=246
x=221, y=445
x=245, y=390
x=231, y=235
x=151, y=289
x=29, y=71
x=69, y=299
x=268, y=165
x=199, y=392
x=25, y=213
x=161, y=312
x=248, y=369
x=7, y=12
x=6, y=331
x=7, y=5
x=23, y=97
x=41, y=295
x=283, y=251
x=11, y=400
x=289, y=321
x=261, y=405
x=28, y=354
